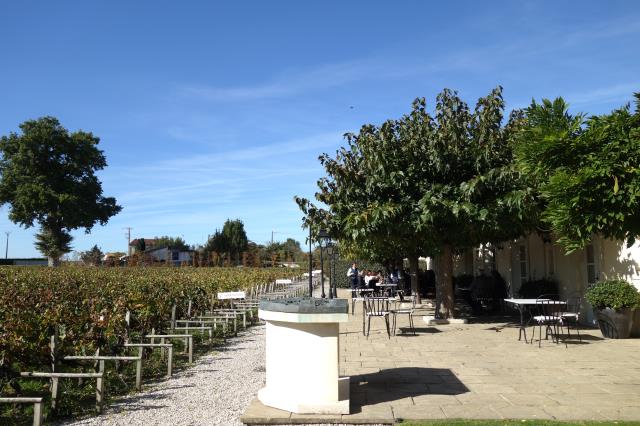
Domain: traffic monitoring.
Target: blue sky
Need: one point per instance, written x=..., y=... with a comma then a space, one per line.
x=212, y=111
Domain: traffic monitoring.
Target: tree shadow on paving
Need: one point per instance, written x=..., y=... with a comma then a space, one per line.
x=196, y=372
x=138, y=408
x=585, y=339
x=174, y=387
x=408, y=332
x=399, y=383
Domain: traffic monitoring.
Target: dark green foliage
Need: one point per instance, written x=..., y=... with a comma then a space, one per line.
x=141, y=245
x=284, y=251
x=232, y=240
x=48, y=178
x=586, y=170
x=462, y=281
x=236, y=237
x=92, y=256
x=614, y=294
x=426, y=184
x=173, y=242
x=217, y=242
x=534, y=288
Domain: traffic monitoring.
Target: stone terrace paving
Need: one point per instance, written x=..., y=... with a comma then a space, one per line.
x=478, y=371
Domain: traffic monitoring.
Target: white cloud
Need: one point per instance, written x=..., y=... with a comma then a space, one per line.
x=617, y=92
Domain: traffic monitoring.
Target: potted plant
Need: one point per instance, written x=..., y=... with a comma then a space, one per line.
x=613, y=302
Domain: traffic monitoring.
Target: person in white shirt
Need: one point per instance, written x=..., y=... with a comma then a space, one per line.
x=352, y=274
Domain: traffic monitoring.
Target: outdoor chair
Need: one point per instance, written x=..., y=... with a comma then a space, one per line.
x=406, y=307
x=549, y=311
x=376, y=307
x=571, y=315
x=358, y=295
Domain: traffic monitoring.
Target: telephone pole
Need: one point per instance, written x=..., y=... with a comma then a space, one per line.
x=6, y=250
x=128, y=235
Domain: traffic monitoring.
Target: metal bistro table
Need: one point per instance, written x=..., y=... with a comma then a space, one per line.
x=523, y=305
x=388, y=286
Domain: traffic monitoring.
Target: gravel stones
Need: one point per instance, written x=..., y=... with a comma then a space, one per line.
x=215, y=391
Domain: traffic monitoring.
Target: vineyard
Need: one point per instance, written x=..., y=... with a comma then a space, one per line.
x=87, y=308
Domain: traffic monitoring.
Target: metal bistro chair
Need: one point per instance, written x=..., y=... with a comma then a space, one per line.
x=549, y=316
x=358, y=295
x=571, y=315
x=404, y=310
x=376, y=307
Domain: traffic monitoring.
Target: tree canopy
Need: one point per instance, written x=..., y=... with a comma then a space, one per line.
x=587, y=171
x=231, y=240
x=173, y=242
x=426, y=185
x=47, y=177
x=93, y=256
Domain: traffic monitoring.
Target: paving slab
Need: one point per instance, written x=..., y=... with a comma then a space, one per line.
x=480, y=370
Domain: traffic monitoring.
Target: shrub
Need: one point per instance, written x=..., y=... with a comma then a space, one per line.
x=615, y=294
x=462, y=281
x=536, y=288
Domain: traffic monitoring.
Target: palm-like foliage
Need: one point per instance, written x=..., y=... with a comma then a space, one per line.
x=587, y=171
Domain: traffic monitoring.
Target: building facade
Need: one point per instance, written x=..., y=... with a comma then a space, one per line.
x=534, y=257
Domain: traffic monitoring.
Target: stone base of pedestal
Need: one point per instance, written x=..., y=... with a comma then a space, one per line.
x=284, y=401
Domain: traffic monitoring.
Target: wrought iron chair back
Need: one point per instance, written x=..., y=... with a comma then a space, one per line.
x=549, y=315
x=376, y=306
x=571, y=314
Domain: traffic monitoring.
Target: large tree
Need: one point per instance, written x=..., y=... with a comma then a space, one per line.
x=231, y=240
x=47, y=177
x=236, y=236
x=586, y=169
x=427, y=185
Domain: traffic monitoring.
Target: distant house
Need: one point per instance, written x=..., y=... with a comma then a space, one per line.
x=176, y=256
x=114, y=258
x=148, y=242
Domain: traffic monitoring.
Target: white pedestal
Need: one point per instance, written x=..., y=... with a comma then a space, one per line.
x=302, y=363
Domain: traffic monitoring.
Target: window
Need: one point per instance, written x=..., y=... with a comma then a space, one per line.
x=592, y=275
x=175, y=255
x=522, y=257
x=485, y=258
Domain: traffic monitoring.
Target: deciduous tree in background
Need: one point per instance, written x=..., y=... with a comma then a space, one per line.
x=93, y=256
x=173, y=242
x=48, y=178
x=217, y=245
x=234, y=232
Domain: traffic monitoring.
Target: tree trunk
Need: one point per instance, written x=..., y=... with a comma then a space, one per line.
x=413, y=272
x=444, y=284
x=53, y=261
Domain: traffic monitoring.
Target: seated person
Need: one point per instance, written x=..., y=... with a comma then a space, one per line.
x=361, y=283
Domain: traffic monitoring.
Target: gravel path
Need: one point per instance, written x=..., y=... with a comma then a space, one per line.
x=215, y=391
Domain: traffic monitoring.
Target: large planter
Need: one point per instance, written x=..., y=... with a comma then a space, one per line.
x=635, y=326
x=615, y=324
